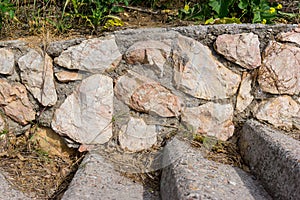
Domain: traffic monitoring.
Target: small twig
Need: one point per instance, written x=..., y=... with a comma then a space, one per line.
x=138, y=9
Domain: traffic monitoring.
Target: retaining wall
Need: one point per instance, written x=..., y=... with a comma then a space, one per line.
x=137, y=86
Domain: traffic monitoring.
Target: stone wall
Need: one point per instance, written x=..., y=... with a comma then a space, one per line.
x=139, y=86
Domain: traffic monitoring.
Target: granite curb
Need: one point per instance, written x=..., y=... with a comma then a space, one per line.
x=194, y=177
x=97, y=179
x=273, y=157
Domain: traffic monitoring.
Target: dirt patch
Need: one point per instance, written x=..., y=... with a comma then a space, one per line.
x=33, y=167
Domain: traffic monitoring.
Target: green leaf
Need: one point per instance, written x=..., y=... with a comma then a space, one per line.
x=256, y=17
x=215, y=5
x=117, y=9
x=11, y=14
x=243, y=4
x=209, y=21
x=288, y=14
x=126, y=3
x=221, y=6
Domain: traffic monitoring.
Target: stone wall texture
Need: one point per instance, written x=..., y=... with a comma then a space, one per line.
x=206, y=78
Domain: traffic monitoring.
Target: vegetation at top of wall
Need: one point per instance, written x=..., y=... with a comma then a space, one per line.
x=98, y=15
x=235, y=11
x=94, y=12
x=6, y=11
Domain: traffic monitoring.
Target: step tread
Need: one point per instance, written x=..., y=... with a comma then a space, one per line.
x=194, y=177
x=97, y=179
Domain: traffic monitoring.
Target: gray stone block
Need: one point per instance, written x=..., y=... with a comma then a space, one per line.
x=273, y=157
x=97, y=179
x=194, y=177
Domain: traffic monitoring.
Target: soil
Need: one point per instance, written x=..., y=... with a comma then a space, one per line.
x=46, y=176
x=40, y=171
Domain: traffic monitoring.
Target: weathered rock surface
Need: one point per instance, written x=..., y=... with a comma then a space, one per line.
x=199, y=74
x=37, y=75
x=194, y=177
x=244, y=97
x=96, y=179
x=86, y=114
x=93, y=55
x=7, y=61
x=150, y=52
x=292, y=36
x=8, y=192
x=137, y=135
x=13, y=43
x=55, y=48
x=15, y=127
x=15, y=102
x=273, y=157
x=280, y=72
x=66, y=76
x=2, y=124
x=242, y=49
x=146, y=95
x=210, y=119
x=280, y=111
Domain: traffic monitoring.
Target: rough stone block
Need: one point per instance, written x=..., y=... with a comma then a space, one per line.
x=273, y=157
x=96, y=179
x=194, y=177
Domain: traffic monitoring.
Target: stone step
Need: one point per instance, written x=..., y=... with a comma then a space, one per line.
x=194, y=177
x=273, y=157
x=97, y=179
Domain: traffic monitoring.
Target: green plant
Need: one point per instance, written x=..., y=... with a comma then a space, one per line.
x=7, y=10
x=4, y=132
x=208, y=142
x=221, y=7
x=94, y=12
x=194, y=12
x=224, y=20
x=291, y=16
x=258, y=11
x=60, y=24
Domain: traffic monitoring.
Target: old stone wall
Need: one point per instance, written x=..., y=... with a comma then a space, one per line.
x=138, y=86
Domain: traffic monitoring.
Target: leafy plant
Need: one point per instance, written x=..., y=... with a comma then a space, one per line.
x=6, y=11
x=259, y=11
x=221, y=7
x=224, y=20
x=207, y=141
x=194, y=12
x=60, y=24
x=94, y=12
x=4, y=132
